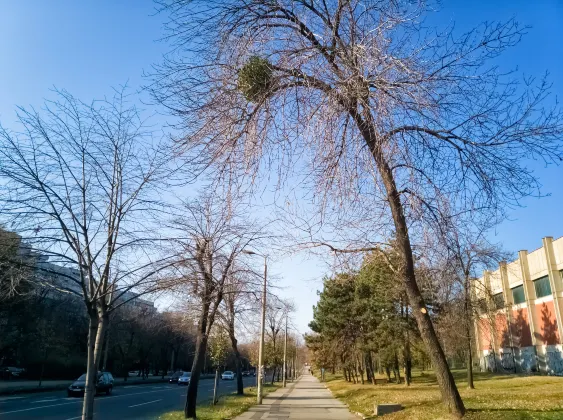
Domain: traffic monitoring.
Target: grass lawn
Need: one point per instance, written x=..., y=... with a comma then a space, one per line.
x=494, y=397
x=229, y=406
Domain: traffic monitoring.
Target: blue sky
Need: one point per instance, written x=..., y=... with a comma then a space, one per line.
x=87, y=47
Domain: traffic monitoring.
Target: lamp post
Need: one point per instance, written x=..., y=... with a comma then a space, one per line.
x=285, y=354
x=260, y=375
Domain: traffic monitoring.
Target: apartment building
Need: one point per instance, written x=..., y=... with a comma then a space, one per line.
x=520, y=312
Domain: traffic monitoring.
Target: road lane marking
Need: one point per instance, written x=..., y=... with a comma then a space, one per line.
x=37, y=408
x=80, y=401
x=77, y=417
x=150, y=402
x=46, y=401
x=3, y=399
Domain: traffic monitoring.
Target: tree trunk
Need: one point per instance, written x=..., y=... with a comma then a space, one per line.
x=396, y=370
x=273, y=374
x=215, y=386
x=42, y=370
x=199, y=359
x=468, y=322
x=105, y=361
x=238, y=360
x=361, y=369
x=388, y=372
x=96, y=333
x=450, y=394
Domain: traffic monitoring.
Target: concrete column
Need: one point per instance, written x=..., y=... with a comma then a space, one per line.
x=491, y=305
x=508, y=301
x=555, y=281
x=529, y=294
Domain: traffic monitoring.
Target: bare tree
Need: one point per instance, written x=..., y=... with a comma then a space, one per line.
x=384, y=118
x=16, y=265
x=468, y=252
x=77, y=183
x=240, y=297
x=214, y=236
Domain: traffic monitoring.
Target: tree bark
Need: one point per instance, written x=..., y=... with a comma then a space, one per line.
x=238, y=360
x=448, y=388
x=96, y=330
x=468, y=321
x=215, y=386
x=191, y=397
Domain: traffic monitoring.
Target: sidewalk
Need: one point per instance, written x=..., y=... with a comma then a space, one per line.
x=306, y=399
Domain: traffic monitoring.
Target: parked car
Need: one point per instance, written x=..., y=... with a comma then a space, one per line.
x=228, y=375
x=175, y=376
x=103, y=384
x=185, y=378
x=133, y=373
x=245, y=373
x=11, y=372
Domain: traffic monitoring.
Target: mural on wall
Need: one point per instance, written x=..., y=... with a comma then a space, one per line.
x=554, y=362
x=527, y=359
x=507, y=361
x=490, y=362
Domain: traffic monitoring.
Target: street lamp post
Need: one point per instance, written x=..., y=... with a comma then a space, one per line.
x=285, y=354
x=260, y=374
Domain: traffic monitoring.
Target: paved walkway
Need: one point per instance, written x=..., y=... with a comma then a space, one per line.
x=305, y=399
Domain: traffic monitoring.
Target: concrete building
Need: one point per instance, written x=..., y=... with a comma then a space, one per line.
x=520, y=312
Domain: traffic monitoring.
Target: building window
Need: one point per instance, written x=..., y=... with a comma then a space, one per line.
x=498, y=301
x=518, y=294
x=542, y=286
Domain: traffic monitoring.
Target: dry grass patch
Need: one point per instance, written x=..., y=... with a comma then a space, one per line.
x=229, y=406
x=495, y=397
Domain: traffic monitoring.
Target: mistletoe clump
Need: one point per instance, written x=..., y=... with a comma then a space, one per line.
x=255, y=78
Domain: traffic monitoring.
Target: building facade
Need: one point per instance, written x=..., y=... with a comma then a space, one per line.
x=520, y=312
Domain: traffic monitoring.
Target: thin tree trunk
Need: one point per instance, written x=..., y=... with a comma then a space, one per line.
x=407, y=353
x=361, y=369
x=396, y=369
x=450, y=394
x=215, y=386
x=238, y=360
x=468, y=319
x=91, y=368
x=42, y=370
x=274, y=375
x=106, y=351
x=199, y=359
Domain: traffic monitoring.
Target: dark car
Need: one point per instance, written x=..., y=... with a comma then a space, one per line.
x=173, y=379
x=11, y=372
x=245, y=373
x=103, y=384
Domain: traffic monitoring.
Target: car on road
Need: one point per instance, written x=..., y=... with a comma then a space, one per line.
x=245, y=373
x=228, y=375
x=104, y=383
x=173, y=378
x=11, y=372
x=185, y=378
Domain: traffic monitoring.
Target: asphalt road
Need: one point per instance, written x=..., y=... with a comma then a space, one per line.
x=147, y=401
